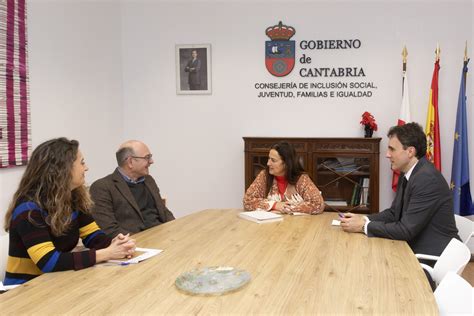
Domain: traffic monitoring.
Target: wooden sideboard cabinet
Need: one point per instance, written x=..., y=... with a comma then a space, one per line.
x=346, y=170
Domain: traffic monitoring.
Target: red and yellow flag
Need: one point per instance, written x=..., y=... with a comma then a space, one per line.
x=433, y=146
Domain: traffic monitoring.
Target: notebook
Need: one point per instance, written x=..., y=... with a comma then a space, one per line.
x=261, y=216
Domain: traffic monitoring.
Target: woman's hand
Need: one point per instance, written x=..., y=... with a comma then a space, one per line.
x=122, y=246
x=283, y=207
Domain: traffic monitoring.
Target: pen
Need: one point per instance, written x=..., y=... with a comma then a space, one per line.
x=341, y=215
x=122, y=263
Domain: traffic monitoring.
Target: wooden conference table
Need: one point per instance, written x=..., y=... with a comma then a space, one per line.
x=301, y=265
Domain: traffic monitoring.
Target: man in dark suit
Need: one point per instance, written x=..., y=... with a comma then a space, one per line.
x=128, y=200
x=194, y=68
x=422, y=211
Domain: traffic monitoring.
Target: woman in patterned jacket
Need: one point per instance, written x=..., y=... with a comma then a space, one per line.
x=283, y=186
x=50, y=211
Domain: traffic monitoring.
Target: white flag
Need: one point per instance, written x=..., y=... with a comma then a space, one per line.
x=403, y=118
x=405, y=109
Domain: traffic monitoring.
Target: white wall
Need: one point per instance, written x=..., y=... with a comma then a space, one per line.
x=75, y=82
x=80, y=51
x=198, y=139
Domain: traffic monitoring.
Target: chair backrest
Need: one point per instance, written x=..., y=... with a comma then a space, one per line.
x=4, y=240
x=454, y=258
x=465, y=227
x=454, y=296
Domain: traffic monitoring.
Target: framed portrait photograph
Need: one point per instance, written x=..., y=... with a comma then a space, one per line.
x=193, y=69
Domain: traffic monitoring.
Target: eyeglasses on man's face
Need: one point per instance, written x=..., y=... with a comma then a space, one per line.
x=147, y=157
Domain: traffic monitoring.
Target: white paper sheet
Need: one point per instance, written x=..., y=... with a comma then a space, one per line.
x=335, y=222
x=7, y=287
x=147, y=253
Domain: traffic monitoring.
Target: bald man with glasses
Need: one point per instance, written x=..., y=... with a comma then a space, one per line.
x=128, y=200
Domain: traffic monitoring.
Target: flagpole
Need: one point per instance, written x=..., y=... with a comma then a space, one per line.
x=466, y=61
x=465, y=54
x=404, y=60
x=437, y=51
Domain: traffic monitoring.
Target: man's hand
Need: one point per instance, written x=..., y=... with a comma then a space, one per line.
x=353, y=223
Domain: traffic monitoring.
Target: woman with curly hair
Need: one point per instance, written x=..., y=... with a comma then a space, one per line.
x=50, y=211
x=283, y=186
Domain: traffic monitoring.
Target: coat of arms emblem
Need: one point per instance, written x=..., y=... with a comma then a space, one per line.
x=280, y=51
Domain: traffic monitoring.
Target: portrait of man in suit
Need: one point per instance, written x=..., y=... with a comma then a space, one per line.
x=193, y=69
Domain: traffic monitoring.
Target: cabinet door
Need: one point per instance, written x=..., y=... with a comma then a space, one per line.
x=344, y=181
x=258, y=163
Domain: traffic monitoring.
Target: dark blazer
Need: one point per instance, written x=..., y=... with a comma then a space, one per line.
x=115, y=209
x=426, y=220
x=194, y=69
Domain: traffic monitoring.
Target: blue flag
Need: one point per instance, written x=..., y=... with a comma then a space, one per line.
x=460, y=173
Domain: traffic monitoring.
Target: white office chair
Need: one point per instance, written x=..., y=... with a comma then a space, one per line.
x=454, y=296
x=465, y=227
x=454, y=258
x=4, y=240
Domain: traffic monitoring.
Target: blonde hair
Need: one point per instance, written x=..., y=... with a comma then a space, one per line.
x=47, y=181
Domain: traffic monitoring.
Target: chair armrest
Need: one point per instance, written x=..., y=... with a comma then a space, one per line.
x=427, y=268
x=426, y=257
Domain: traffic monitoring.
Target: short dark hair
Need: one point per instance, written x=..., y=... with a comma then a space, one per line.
x=410, y=134
x=122, y=155
x=294, y=169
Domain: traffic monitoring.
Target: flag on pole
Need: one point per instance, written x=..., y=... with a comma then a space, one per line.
x=460, y=173
x=433, y=146
x=403, y=118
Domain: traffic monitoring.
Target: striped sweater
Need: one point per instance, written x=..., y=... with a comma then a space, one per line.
x=34, y=250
